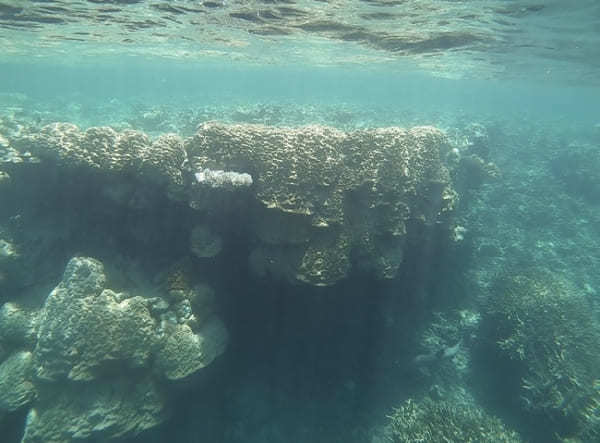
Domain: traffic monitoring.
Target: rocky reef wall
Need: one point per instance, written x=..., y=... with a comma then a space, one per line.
x=307, y=207
x=318, y=201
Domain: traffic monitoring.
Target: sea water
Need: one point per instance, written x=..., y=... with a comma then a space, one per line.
x=413, y=255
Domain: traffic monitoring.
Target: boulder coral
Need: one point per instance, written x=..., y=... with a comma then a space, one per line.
x=359, y=193
x=356, y=199
x=95, y=365
x=104, y=149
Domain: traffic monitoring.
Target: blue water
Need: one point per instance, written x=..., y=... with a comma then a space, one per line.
x=490, y=326
x=195, y=84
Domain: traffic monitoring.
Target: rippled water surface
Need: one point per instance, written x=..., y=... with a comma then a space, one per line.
x=494, y=38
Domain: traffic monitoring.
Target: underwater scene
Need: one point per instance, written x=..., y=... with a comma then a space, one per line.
x=299, y=221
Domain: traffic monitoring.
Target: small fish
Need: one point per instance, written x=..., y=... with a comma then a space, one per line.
x=439, y=355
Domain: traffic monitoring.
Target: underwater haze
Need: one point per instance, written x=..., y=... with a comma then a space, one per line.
x=293, y=221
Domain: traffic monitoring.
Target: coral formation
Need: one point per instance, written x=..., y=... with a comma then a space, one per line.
x=104, y=149
x=18, y=327
x=427, y=420
x=361, y=192
x=356, y=198
x=548, y=329
x=91, y=361
x=123, y=326
x=98, y=411
x=16, y=387
x=186, y=350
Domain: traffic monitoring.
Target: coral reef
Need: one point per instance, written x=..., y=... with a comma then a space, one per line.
x=362, y=193
x=90, y=362
x=311, y=204
x=16, y=387
x=446, y=344
x=106, y=150
x=428, y=420
x=356, y=198
x=548, y=329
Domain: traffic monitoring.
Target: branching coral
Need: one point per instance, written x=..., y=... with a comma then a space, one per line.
x=427, y=420
x=548, y=328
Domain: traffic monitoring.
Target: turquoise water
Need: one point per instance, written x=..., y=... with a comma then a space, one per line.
x=264, y=221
